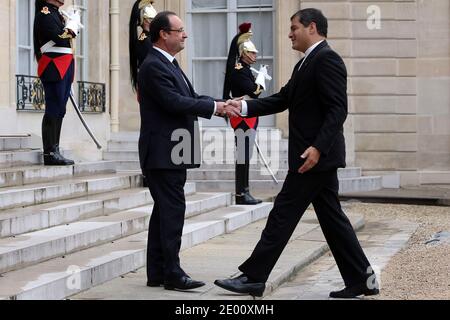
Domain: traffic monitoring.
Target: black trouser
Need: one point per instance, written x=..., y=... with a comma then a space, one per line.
x=244, y=140
x=57, y=94
x=320, y=189
x=166, y=223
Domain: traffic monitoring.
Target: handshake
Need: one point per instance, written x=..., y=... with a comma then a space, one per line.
x=230, y=108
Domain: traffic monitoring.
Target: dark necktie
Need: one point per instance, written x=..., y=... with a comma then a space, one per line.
x=302, y=62
x=180, y=73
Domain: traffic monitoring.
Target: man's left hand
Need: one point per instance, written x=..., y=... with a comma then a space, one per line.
x=312, y=156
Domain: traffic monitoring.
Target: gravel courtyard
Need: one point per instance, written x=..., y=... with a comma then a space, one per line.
x=419, y=271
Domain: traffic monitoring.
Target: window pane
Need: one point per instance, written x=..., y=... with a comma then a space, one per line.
x=254, y=3
x=209, y=4
x=24, y=22
x=209, y=77
x=79, y=69
x=23, y=63
x=209, y=33
x=262, y=27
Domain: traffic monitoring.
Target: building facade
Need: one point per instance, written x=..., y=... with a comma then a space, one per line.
x=397, y=54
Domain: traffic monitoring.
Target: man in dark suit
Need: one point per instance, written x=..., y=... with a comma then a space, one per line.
x=169, y=144
x=316, y=97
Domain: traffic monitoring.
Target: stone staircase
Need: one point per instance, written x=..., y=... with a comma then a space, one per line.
x=64, y=230
x=217, y=171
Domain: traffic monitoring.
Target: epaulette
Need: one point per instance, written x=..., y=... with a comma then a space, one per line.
x=238, y=66
x=45, y=10
x=66, y=35
x=142, y=37
x=258, y=90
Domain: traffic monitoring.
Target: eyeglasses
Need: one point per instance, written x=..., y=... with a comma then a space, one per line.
x=181, y=30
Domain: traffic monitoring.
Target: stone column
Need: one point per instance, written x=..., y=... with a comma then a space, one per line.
x=115, y=65
x=285, y=58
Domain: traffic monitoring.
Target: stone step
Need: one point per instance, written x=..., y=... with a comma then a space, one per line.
x=35, y=194
x=15, y=142
x=255, y=164
x=23, y=157
x=35, y=247
x=219, y=258
x=209, y=156
x=40, y=174
x=121, y=155
x=224, y=146
x=229, y=174
x=60, y=278
x=24, y=220
x=305, y=246
x=361, y=184
x=261, y=174
x=263, y=133
x=434, y=177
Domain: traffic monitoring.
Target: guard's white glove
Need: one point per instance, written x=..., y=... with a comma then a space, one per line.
x=73, y=20
x=263, y=75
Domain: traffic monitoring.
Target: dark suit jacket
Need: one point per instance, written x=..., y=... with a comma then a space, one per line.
x=168, y=105
x=316, y=97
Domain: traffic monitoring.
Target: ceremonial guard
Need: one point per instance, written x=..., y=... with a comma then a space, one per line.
x=53, y=33
x=141, y=17
x=240, y=82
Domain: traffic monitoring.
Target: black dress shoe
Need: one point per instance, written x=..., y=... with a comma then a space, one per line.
x=354, y=291
x=242, y=284
x=247, y=199
x=183, y=283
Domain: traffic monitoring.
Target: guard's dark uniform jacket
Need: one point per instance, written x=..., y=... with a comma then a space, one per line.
x=243, y=84
x=53, y=66
x=143, y=46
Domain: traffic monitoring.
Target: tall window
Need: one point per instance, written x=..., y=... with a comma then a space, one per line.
x=82, y=43
x=26, y=64
x=212, y=25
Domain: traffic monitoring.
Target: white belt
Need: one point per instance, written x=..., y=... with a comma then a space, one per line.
x=50, y=47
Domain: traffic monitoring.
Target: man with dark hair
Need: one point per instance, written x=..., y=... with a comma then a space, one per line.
x=169, y=109
x=316, y=97
x=53, y=49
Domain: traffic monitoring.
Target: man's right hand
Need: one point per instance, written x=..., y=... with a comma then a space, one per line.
x=228, y=109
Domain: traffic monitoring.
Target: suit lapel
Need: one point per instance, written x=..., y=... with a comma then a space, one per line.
x=187, y=90
x=300, y=74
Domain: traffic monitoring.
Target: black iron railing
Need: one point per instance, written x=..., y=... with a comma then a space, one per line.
x=91, y=97
x=31, y=96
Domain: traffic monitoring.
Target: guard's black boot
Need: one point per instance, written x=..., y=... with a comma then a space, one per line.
x=50, y=143
x=246, y=198
x=243, y=196
x=68, y=162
